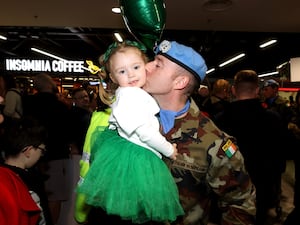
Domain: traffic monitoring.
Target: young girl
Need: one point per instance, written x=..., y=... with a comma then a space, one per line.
x=127, y=176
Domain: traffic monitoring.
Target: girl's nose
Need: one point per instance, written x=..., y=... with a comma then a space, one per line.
x=131, y=73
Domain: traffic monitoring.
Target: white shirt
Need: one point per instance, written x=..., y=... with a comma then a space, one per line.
x=133, y=114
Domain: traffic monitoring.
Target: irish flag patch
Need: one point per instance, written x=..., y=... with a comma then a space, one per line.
x=229, y=148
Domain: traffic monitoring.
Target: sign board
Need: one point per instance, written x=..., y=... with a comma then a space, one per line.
x=59, y=66
x=295, y=69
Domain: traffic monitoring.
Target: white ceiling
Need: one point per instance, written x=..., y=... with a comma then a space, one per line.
x=244, y=15
x=79, y=28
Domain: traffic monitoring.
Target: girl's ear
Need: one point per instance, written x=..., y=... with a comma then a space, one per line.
x=112, y=78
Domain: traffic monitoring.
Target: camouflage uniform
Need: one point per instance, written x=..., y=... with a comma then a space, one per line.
x=210, y=162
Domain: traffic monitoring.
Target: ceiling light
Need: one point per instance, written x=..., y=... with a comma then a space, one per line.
x=116, y=10
x=47, y=54
x=67, y=85
x=3, y=37
x=118, y=37
x=268, y=43
x=232, y=59
x=94, y=82
x=34, y=36
x=210, y=70
x=268, y=74
x=282, y=65
x=217, y=5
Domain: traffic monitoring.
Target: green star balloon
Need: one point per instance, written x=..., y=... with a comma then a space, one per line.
x=144, y=19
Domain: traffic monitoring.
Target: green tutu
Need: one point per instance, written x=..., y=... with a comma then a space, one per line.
x=129, y=181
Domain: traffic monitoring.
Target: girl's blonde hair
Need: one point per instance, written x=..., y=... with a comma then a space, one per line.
x=107, y=94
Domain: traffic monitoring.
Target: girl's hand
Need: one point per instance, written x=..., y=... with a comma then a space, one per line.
x=175, y=152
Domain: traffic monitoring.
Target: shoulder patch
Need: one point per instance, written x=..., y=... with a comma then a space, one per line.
x=229, y=148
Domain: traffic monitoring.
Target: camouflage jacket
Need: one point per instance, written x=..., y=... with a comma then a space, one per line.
x=210, y=164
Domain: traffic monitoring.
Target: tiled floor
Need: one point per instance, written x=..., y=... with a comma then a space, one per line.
x=287, y=188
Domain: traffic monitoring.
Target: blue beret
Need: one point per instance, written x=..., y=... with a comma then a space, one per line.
x=271, y=82
x=184, y=56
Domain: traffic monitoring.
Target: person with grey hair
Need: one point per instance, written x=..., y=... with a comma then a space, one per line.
x=13, y=108
x=219, y=99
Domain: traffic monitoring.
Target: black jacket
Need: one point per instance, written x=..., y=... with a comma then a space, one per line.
x=55, y=116
x=260, y=135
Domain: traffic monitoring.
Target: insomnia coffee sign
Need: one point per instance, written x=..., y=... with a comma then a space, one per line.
x=58, y=66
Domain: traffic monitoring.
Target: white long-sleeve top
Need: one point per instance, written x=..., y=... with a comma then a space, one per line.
x=133, y=114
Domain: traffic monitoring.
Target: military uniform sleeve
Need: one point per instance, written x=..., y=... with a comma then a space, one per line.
x=229, y=179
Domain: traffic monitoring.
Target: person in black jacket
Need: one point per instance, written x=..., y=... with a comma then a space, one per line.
x=54, y=115
x=259, y=134
x=80, y=119
x=80, y=116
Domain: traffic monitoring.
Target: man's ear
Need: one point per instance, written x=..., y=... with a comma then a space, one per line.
x=257, y=91
x=181, y=82
x=233, y=90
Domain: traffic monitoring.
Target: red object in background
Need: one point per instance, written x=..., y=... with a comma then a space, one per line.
x=76, y=85
x=288, y=89
x=264, y=105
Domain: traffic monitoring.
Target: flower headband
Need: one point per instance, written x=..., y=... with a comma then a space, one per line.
x=114, y=45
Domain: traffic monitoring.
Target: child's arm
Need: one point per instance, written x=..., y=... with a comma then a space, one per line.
x=154, y=139
x=175, y=152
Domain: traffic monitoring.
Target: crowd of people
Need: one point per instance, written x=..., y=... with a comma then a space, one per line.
x=152, y=152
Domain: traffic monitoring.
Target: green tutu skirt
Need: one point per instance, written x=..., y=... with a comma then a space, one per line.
x=129, y=181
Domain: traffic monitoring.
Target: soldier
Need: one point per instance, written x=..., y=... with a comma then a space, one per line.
x=209, y=161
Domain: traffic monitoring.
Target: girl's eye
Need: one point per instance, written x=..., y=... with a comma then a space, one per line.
x=136, y=67
x=121, y=72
